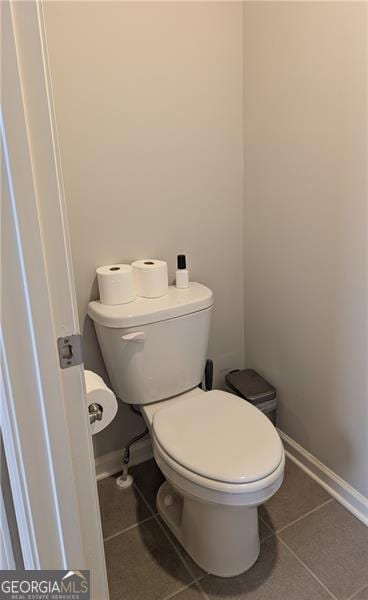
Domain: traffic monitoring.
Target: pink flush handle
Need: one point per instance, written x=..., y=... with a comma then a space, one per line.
x=135, y=336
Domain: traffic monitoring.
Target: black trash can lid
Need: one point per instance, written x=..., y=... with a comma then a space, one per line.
x=250, y=385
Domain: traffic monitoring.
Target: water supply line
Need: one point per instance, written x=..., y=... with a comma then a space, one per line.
x=125, y=480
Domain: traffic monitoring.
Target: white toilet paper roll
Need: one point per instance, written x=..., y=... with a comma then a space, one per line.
x=150, y=278
x=116, y=284
x=98, y=393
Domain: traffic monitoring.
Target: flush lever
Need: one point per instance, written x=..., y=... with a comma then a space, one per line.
x=135, y=336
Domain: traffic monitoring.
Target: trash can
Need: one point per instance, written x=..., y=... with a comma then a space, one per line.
x=248, y=384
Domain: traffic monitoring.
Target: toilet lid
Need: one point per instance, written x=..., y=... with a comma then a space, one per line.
x=219, y=436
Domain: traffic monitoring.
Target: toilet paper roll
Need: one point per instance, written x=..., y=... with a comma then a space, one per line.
x=116, y=284
x=150, y=278
x=98, y=393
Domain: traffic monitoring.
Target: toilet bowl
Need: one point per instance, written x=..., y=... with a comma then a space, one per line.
x=220, y=455
x=221, y=458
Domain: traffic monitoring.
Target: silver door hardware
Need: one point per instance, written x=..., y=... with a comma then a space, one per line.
x=70, y=351
x=95, y=412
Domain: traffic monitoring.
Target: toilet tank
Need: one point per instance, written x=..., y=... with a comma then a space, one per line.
x=155, y=348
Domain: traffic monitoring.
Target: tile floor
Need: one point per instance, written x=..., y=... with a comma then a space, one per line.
x=312, y=548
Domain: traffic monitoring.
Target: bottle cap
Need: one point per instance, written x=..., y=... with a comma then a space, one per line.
x=182, y=263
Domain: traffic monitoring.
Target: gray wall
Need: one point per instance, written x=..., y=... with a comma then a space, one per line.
x=306, y=222
x=151, y=117
x=149, y=109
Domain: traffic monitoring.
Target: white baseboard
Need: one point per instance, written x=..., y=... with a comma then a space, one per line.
x=339, y=489
x=112, y=463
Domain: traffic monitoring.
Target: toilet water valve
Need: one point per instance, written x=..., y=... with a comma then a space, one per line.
x=125, y=480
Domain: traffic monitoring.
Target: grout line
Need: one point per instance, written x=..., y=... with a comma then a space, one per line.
x=172, y=544
x=269, y=535
x=204, y=594
x=365, y=587
x=310, y=512
x=185, y=587
x=307, y=568
x=110, y=537
x=153, y=513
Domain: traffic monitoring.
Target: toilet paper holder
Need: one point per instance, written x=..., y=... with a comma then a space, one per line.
x=95, y=412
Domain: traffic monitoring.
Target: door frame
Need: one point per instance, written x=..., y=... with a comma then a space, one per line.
x=46, y=434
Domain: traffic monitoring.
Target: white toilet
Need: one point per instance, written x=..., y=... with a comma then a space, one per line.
x=221, y=456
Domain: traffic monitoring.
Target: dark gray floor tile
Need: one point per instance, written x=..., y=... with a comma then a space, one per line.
x=148, y=478
x=334, y=545
x=264, y=530
x=119, y=508
x=142, y=565
x=362, y=595
x=191, y=593
x=297, y=495
x=276, y=575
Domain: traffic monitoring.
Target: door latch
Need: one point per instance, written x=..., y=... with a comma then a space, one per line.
x=70, y=351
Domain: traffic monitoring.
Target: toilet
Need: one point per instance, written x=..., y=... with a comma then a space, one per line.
x=220, y=455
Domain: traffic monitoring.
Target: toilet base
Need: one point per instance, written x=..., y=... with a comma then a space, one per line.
x=222, y=540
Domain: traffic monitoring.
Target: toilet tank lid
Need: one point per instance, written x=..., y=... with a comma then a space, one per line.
x=143, y=311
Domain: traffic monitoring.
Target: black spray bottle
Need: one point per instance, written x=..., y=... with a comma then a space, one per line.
x=182, y=273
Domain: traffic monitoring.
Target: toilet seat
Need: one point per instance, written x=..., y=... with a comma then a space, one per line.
x=217, y=492
x=170, y=433
x=218, y=437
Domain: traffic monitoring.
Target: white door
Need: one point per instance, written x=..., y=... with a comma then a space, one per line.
x=44, y=419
